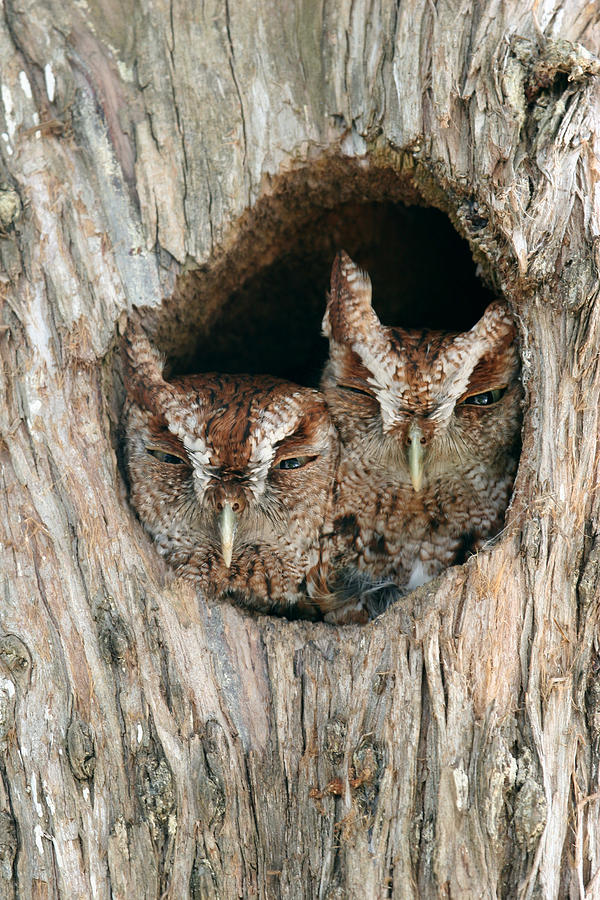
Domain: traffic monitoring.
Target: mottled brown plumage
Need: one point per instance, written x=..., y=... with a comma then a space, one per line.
x=429, y=425
x=232, y=475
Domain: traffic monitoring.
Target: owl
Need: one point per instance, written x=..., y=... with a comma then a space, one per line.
x=429, y=423
x=232, y=475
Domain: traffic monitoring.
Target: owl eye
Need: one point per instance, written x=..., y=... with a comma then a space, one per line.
x=293, y=462
x=163, y=457
x=486, y=398
x=355, y=390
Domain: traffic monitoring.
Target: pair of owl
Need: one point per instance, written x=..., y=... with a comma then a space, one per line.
x=329, y=503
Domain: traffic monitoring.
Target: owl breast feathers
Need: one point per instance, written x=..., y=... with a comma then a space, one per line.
x=232, y=475
x=429, y=425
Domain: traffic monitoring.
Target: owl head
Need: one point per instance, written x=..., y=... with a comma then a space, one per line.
x=418, y=404
x=231, y=474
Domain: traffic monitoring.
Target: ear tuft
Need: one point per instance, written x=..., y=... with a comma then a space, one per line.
x=142, y=370
x=326, y=324
x=348, y=268
x=349, y=312
x=349, y=279
x=498, y=320
x=496, y=328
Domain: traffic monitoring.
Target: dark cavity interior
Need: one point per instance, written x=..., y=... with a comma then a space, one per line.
x=259, y=309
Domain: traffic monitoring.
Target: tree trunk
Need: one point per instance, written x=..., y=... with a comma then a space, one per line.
x=215, y=155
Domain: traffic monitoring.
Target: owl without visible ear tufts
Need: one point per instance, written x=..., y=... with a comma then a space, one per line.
x=430, y=426
x=232, y=475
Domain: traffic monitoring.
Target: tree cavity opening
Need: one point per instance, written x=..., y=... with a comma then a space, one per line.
x=257, y=307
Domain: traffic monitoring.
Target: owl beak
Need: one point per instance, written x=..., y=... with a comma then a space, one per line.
x=227, y=530
x=415, y=456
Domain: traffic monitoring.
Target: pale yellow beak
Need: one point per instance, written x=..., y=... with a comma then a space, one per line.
x=227, y=530
x=415, y=456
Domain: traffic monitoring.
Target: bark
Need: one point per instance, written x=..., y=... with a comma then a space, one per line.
x=152, y=745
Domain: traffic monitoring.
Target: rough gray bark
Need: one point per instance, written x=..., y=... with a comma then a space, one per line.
x=154, y=746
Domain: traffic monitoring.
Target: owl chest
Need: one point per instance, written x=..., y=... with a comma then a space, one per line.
x=266, y=572
x=389, y=529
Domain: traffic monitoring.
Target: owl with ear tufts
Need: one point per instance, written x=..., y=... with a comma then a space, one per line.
x=232, y=475
x=429, y=423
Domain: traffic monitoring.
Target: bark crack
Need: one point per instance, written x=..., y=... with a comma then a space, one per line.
x=184, y=168
x=231, y=59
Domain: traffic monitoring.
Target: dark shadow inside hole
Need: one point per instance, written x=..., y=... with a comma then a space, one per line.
x=423, y=276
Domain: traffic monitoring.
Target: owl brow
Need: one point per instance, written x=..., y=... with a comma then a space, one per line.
x=158, y=423
x=163, y=437
x=299, y=434
x=294, y=449
x=299, y=438
x=355, y=384
x=488, y=374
